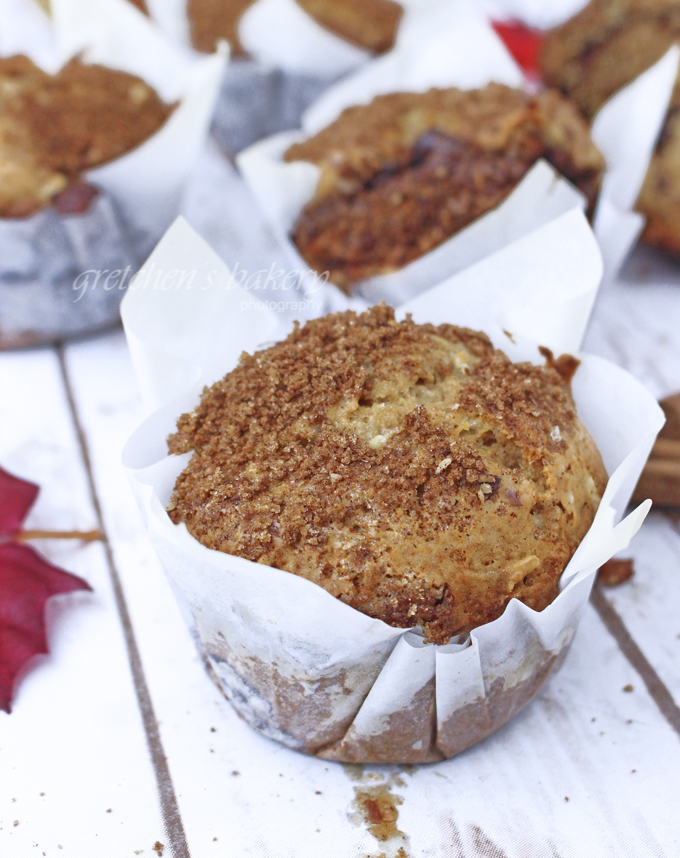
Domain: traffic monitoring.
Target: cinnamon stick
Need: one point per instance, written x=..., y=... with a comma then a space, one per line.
x=660, y=479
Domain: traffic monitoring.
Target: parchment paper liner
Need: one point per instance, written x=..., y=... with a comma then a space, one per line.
x=43, y=256
x=457, y=47
x=297, y=664
x=143, y=188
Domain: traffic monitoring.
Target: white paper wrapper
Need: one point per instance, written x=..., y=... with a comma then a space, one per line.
x=142, y=189
x=457, y=47
x=297, y=664
x=280, y=34
x=44, y=256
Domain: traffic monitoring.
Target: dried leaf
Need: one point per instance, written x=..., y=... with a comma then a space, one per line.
x=16, y=498
x=524, y=43
x=26, y=583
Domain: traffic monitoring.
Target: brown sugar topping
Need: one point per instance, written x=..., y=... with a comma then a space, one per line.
x=375, y=458
x=404, y=173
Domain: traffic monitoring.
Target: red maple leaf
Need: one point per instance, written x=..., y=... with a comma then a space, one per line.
x=26, y=583
x=524, y=43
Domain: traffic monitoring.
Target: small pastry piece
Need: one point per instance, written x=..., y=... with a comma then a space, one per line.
x=602, y=49
x=412, y=471
x=404, y=173
x=54, y=127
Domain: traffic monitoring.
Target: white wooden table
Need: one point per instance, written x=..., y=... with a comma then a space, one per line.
x=119, y=744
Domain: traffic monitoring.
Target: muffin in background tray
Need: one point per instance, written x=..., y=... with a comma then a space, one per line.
x=599, y=51
x=369, y=24
x=55, y=127
x=404, y=173
x=412, y=471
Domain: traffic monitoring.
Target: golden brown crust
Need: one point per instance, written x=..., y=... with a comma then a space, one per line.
x=54, y=127
x=401, y=175
x=369, y=24
x=412, y=471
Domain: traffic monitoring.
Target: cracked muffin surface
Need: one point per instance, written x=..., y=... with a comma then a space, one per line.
x=404, y=173
x=412, y=471
x=596, y=53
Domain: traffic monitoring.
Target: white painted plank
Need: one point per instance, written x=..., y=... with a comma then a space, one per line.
x=636, y=324
x=510, y=791
x=73, y=746
x=649, y=603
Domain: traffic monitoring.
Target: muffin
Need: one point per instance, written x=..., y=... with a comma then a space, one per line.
x=402, y=174
x=412, y=471
x=55, y=127
x=602, y=49
x=369, y=24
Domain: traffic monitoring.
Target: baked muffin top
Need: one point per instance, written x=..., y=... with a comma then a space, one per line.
x=413, y=471
x=404, y=173
x=54, y=127
x=369, y=24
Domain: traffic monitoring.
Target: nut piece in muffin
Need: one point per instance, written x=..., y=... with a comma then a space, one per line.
x=404, y=173
x=596, y=53
x=54, y=127
x=369, y=24
x=412, y=471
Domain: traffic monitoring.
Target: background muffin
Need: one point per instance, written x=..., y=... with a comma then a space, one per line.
x=55, y=127
x=369, y=24
x=404, y=173
x=599, y=51
x=413, y=471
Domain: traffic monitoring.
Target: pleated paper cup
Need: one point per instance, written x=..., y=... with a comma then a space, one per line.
x=297, y=664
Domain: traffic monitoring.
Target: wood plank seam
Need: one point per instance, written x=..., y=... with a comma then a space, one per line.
x=170, y=811
x=655, y=686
